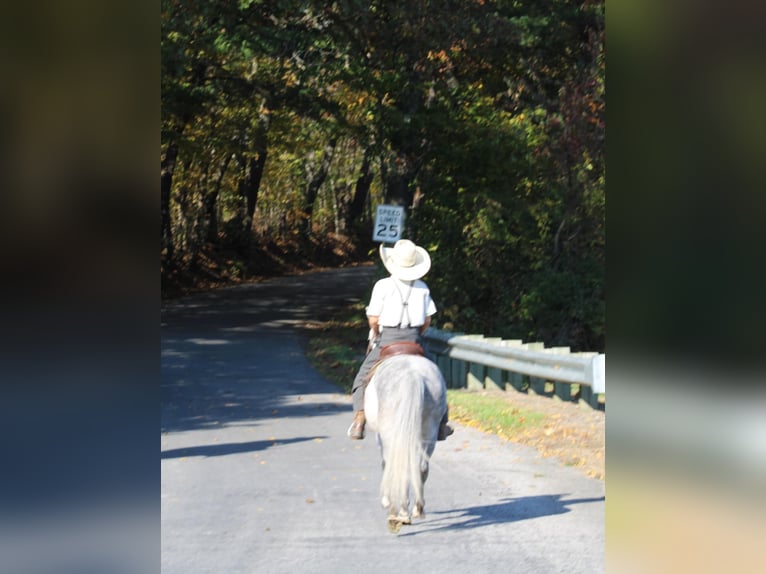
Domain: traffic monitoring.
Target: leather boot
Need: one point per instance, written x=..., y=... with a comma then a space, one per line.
x=444, y=431
x=356, y=430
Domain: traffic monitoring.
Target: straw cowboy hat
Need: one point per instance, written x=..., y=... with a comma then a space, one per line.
x=405, y=260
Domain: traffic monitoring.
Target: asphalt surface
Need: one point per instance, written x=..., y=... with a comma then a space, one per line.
x=258, y=475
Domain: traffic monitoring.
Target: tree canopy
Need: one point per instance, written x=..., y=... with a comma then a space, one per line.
x=290, y=120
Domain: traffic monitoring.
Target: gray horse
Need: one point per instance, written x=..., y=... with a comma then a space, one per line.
x=403, y=404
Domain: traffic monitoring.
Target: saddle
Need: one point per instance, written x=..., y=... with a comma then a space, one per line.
x=401, y=348
x=393, y=349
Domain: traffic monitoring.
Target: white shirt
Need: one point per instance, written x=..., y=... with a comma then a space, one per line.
x=386, y=303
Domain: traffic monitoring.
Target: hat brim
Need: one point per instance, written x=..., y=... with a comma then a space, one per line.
x=416, y=271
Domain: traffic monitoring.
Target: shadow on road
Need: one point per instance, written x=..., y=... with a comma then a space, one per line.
x=232, y=448
x=236, y=356
x=214, y=403
x=508, y=510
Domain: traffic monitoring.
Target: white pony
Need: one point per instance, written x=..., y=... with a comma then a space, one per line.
x=404, y=403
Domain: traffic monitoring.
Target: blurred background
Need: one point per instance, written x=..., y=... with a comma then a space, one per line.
x=681, y=104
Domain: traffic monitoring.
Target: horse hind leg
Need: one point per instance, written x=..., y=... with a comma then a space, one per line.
x=418, y=511
x=424, y=471
x=394, y=525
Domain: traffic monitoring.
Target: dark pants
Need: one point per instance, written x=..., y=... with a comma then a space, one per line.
x=387, y=335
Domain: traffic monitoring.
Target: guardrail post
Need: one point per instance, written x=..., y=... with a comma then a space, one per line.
x=591, y=399
x=494, y=379
x=475, y=377
x=437, y=347
x=493, y=376
x=517, y=382
x=442, y=361
x=498, y=378
x=458, y=370
x=536, y=384
x=591, y=395
x=579, y=389
x=561, y=391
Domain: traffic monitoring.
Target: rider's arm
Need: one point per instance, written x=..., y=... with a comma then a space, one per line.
x=425, y=325
x=372, y=320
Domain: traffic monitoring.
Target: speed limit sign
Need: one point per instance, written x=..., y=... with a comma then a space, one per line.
x=389, y=220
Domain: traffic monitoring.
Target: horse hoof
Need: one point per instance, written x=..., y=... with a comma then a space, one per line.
x=418, y=512
x=395, y=524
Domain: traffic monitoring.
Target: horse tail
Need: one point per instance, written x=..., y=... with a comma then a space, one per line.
x=403, y=449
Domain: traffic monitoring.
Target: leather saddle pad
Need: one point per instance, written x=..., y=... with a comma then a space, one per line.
x=401, y=348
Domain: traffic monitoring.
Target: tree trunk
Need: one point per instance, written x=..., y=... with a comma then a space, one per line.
x=211, y=203
x=249, y=184
x=252, y=161
x=356, y=213
x=167, y=168
x=398, y=183
x=340, y=195
x=258, y=163
x=315, y=181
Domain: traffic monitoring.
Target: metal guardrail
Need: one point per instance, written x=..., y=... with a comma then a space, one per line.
x=477, y=361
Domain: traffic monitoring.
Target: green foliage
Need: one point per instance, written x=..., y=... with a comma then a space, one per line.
x=485, y=118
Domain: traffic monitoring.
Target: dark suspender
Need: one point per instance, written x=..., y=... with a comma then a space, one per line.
x=405, y=302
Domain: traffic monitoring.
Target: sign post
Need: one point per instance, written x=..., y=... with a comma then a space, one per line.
x=389, y=220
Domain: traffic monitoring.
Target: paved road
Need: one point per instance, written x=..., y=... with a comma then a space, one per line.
x=258, y=475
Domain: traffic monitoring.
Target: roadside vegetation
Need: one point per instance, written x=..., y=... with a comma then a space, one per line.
x=336, y=346
x=489, y=414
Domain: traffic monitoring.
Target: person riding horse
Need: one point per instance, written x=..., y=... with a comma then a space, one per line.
x=400, y=309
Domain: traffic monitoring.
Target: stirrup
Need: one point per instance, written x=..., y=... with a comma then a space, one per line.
x=444, y=431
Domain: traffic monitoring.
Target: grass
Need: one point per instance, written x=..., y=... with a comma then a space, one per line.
x=490, y=414
x=336, y=348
